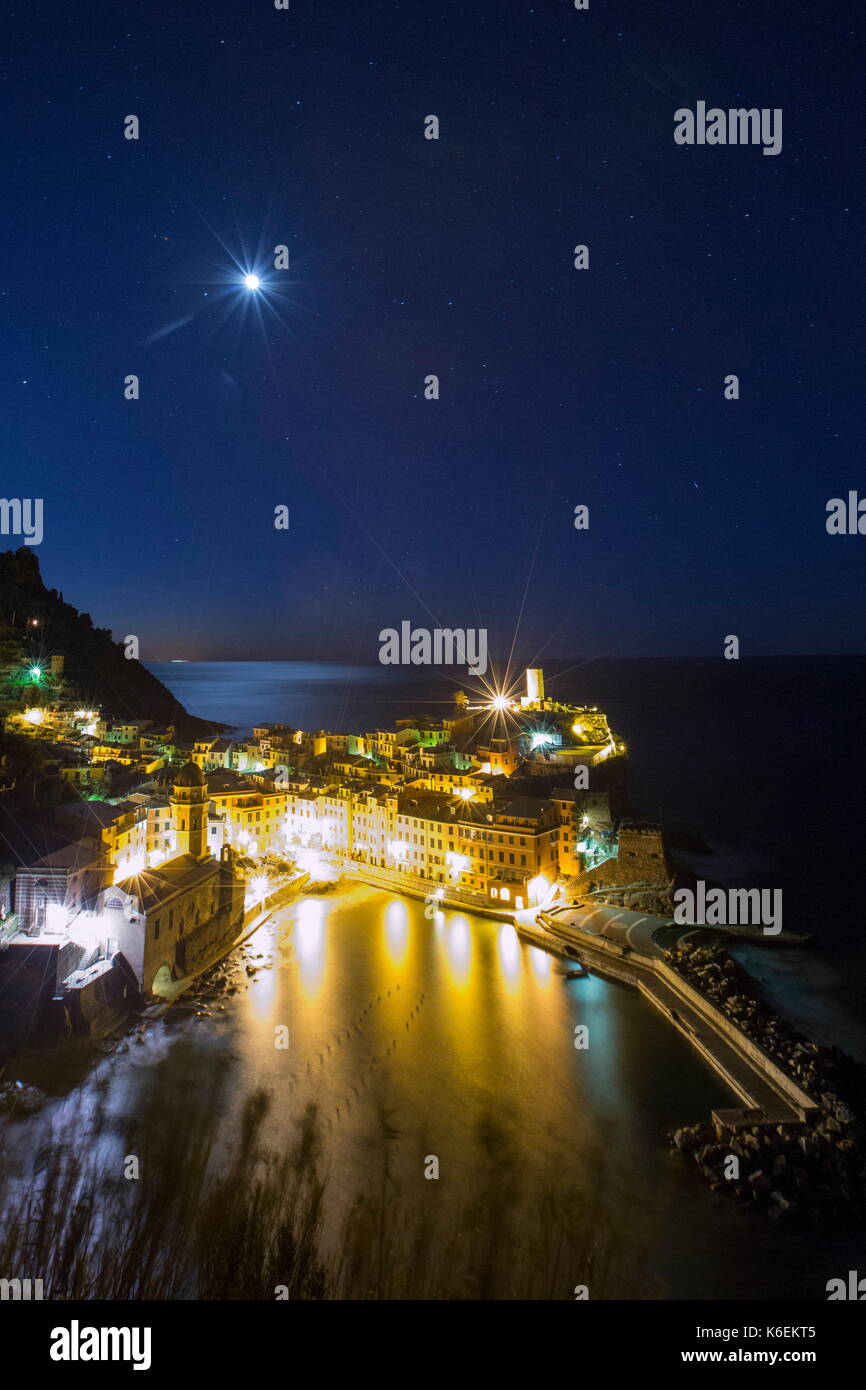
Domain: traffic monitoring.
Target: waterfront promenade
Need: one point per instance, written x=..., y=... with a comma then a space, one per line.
x=621, y=946
x=413, y=886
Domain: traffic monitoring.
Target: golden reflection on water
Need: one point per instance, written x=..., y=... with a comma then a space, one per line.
x=509, y=957
x=263, y=994
x=541, y=963
x=382, y=1000
x=458, y=949
x=451, y=1035
x=397, y=931
x=311, y=941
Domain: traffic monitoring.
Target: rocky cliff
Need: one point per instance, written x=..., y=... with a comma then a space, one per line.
x=36, y=623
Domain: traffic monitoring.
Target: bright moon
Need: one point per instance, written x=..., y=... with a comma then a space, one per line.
x=252, y=282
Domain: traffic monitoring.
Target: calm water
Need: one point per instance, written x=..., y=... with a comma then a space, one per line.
x=460, y=1038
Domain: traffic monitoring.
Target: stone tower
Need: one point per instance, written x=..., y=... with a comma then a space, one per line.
x=189, y=811
x=534, y=684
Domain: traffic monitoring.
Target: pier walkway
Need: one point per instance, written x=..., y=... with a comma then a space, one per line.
x=620, y=945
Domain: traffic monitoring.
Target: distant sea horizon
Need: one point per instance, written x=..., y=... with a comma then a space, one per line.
x=760, y=757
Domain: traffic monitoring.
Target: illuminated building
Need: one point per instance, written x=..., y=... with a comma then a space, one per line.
x=171, y=919
x=252, y=814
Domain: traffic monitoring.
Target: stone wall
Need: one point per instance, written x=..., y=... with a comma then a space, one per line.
x=641, y=858
x=214, y=936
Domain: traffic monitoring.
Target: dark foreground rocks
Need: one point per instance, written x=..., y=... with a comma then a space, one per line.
x=17, y=1098
x=814, y=1171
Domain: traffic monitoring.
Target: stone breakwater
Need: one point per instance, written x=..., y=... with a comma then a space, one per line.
x=815, y=1170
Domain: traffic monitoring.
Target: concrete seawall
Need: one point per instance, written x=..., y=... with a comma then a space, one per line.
x=414, y=887
x=767, y=1093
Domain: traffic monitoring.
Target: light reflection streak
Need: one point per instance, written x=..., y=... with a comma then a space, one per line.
x=310, y=937
x=263, y=993
x=397, y=931
x=541, y=962
x=458, y=948
x=509, y=956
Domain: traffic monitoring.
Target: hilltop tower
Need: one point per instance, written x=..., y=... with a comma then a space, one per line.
x=534, y=685
x=189, y=811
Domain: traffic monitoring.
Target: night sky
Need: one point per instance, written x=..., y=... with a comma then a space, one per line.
x=408, y=257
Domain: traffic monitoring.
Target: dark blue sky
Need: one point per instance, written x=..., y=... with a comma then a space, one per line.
x=454, y=257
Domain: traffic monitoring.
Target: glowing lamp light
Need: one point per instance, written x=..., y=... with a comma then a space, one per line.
x=466, y=793
x=577, y=729
x=34, y=716
x=538, y=888
x=36, y=672
x=56, y=916
x=457, y=863
x=252, y=282
x=540, y=739
x=499, y=702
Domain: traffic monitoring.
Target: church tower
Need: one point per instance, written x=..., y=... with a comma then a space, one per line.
x=189, y=801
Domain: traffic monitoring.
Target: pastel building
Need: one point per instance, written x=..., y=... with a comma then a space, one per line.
x=172, y=919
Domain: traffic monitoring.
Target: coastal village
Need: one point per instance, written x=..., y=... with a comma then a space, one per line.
x=133, y=859
x=156, y=846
